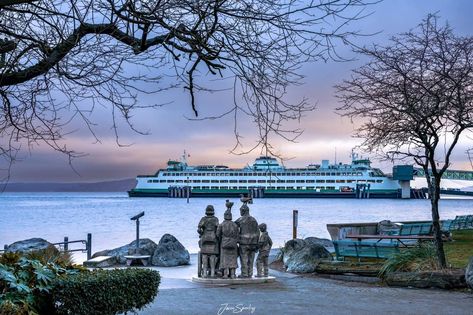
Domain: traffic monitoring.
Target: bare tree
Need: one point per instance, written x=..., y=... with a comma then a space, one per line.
x=415, y=99
x=61, y=59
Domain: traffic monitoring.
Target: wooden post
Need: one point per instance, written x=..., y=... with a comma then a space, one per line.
x=138, y=233
x=89, y=246
x=295, y=215
x=66, y=243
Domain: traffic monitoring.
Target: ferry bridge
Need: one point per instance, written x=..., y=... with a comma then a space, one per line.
x=449, y=174
x=405, y=173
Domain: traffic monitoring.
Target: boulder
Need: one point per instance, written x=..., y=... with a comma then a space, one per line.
x=302, y=256
x=321, y=241
x=170, y=252
x=147, y=247
x=469, y=273
x=30, y=245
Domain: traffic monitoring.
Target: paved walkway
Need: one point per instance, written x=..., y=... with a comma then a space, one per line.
x=292, y=294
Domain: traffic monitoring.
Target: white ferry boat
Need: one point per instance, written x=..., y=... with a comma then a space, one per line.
x=269, y=179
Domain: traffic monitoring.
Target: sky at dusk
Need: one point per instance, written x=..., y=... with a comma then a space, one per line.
x=209, y=141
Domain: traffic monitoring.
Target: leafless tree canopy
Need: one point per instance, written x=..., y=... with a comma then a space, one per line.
x=60, y=59
x=415, y=99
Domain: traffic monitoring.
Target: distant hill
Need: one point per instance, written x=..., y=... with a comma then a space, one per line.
x=112, y=186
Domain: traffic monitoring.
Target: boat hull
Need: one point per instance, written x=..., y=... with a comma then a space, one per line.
x=391, y=194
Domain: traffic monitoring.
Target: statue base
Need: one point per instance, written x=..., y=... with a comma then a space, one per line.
x=227, y=281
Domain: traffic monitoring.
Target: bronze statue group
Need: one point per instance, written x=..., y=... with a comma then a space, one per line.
x=222, y=244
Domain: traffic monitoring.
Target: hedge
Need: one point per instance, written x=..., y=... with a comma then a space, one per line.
x=106, y=292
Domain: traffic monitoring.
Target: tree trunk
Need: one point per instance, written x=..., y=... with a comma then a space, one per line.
x=434, y=200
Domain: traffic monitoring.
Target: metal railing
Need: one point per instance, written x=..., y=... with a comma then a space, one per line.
x=64, y=246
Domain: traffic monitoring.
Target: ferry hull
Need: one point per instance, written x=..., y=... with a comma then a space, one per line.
x=270, y=194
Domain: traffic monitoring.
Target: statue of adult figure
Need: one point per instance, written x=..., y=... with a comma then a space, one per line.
x=227, y=233
x=208, y=241
x=248, y=241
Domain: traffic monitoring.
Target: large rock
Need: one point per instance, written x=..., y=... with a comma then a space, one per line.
x=147, y=247
x=320, y=241
x=30, y=245
x=469, y=273
x=302, y=256
x=170, y=252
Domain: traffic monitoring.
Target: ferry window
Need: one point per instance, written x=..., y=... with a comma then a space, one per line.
x=214, y=187
x=224, y=181
x=322, y=174
x=170, y=181
x=196, y=181
x=280, y=187
x=242, y=181
x=205, y=181
x=196, y=187
x=300, y=181
x=330, y=181
x=262, y=181
x=150, y=181
x=298, y=174
x=310, y=181
x=290, y=181
x=214, y=181
x=361, y=181
x=300, y=187
x=331, y=188
x=350, y=181
x=251, y=181
x=162, y=180
x=289, y=187
x=371, y=181
x=280, y=181
x=379, y=180
x=333, y=174
x=320, y=181
x=271, y=181
x=179, y=181
x=340, y=180
x=359, y=174
x=233, y=181
x=310, y=188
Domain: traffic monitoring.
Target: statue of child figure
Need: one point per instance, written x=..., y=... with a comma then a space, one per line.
x=264, y=246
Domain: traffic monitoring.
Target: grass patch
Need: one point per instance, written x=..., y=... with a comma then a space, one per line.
x=460, y=250
x=415, y=259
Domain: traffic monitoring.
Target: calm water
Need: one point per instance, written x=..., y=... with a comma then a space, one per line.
x=106, y=215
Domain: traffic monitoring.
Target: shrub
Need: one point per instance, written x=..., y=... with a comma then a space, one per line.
x=420, y=258
x=51, y=255
x=25, y=284
x=106, y=291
